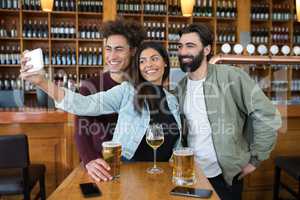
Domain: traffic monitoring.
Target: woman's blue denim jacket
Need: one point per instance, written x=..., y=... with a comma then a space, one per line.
x=131, y=125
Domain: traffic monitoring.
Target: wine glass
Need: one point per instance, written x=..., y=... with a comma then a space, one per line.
x=154, y=138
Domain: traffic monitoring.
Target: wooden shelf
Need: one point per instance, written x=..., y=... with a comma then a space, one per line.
x=90, y=13
x=155, y=16
x=16, y=11
x=221, y=43
x=35, y=39
x=10, y=38
x=64, y=39
x=64, y=66
x=202, y=18
x=226, y=19
x=34, y=12
x=12, y=66
x=260, y=20
x=90, y=40
x=90, y=66
x=280, y=21
x=130, y=14
x=161, y=41
x=178, y=17
x=63, y=12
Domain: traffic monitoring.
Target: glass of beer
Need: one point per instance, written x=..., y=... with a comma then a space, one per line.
x=154, y=138
x=112, y=155
x=183, y=166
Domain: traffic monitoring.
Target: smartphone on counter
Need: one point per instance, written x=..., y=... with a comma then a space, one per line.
x=191, y=192
x=89, y=190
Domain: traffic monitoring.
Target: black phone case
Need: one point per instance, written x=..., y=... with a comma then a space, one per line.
x=203, y=193
x=90, y=190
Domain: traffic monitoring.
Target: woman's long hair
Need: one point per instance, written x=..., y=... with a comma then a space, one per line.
x=143, y=91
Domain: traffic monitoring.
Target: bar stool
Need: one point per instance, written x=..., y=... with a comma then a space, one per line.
x=291, y=165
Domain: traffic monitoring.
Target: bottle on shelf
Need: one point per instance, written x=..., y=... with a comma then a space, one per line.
x=10, y=82
x=32, y=5
x=174, y=7
x=9, y=55
x=83, y=77
x=157, y=7
x=260, y=11
x=35, y=30
x=65, y=56
x=90, y=6
x=3, y=31
x=226, y=34
x=28, y=29
x=155, y=30
x=280, y=34
x=63, y=30
x=62, y=79
x=174, y=31
x=66, y=5
x=174, y=62
x=296, y=38
x=295, y=85
x=259, y=35
x=13, y=31
x=89, y=32
x=203, y=8
x=90, y=56
x=281, y=12
x=226, y=9
x=1, y=82
x=46, y=56
x=9, y=4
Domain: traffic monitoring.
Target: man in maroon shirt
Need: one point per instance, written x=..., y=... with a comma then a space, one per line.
x=122, y=39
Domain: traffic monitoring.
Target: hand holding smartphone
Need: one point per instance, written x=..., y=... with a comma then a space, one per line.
x=89, y=190
x=191, y=192
x=36, y=59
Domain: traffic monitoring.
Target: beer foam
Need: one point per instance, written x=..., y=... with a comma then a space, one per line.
x=111, y=144
x=183, y=152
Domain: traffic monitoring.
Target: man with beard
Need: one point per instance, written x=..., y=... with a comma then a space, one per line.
x=231, y=124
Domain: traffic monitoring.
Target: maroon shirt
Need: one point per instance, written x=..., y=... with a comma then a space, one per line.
x=90, y=132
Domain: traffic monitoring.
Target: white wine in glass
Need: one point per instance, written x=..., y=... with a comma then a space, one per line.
x=154, y=138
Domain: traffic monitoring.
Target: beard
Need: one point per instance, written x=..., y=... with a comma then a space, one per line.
x=194, y=64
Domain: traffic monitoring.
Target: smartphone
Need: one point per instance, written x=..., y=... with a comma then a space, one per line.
x=36, y=59
x=89, y=190
x=191, y=192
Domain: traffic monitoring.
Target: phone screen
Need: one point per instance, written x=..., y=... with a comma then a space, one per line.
x=192, y=192
x=90, y=190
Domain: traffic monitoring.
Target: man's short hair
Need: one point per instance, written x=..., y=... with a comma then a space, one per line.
x=131, y=30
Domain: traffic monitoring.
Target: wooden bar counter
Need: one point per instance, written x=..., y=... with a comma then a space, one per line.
x=50, y=135
x=134, y=184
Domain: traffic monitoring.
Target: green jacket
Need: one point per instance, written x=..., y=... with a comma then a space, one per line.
x=244, y=122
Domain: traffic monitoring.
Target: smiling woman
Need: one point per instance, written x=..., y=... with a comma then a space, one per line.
x=141, y=100
x=154, y=68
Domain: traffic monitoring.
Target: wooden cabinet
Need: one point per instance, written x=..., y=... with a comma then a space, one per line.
x=50, y=135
